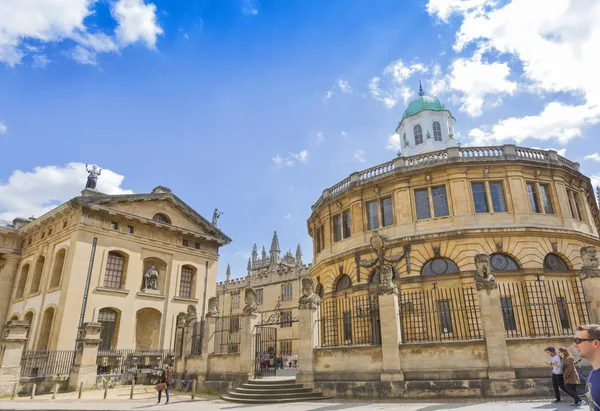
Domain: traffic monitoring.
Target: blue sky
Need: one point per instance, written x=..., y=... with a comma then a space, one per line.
x=255, y=107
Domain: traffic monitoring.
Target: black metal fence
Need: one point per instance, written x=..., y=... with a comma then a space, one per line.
x=46, y=363
x=198, y=337
x=350, y=320
x=543, y=308
x=440, y=314
x=133, y=361
x=227, y=335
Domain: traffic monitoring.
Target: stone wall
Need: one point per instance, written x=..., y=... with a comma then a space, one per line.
x=348, y=363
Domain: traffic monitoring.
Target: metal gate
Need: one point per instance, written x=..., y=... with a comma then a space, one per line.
x=265, y=359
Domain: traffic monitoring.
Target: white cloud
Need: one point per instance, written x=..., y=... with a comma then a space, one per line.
x=476, y=80
x=44, y=21
x=40, y=61
x=290, y=160
x=595, y=180
x=3, y=128
x=287, y=216
x=244, y=254
x=344, y=134
x=359, y=155
x=320, y=137
x=344, y=86
x=394, y=143
x=595, y=157
x=250, y=7
x=136, y=22
x=83, y=55
x=394, y=76
x=555, y=45
x=39, y=191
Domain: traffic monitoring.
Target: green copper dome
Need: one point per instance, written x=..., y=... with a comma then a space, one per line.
x=423, y=103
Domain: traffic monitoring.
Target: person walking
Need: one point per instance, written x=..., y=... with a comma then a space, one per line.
x=295, y=357
x=165, y=379
x=587, y=343
x=558, y=380
x=570, y=375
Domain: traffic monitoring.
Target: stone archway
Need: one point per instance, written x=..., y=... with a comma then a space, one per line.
x=147, y=329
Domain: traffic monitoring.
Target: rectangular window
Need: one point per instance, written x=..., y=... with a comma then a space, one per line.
x=533, y=198
x=372, y=216
x=285, y=347
x=49, y=232
x=197, y=245
x=508, y=314
x=563, y=313
x=347, y=328
x=577, y=207
x=114, y=225
x=130, y=229
x=286, y=292
x=422, y=204
x=387, y=214
x=234, y=323
x=235, y=300
x=440, y=202
x=43, y=235
x=286, y=319
x=497, y=193
x=185, y=243
x=480, y=198
x=65, y=223
x=318, y=240
x=185, y=288
x=337, y=228
x=444, y=316
x=546, y=198
x=259, y=296
x=346, y=218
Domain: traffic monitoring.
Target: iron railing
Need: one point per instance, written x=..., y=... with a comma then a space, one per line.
x=198, y=337
x=46, y=363
x=543, y=308
x=349, y=320
x=227, y=335
x=133, y=361
x=440, y=314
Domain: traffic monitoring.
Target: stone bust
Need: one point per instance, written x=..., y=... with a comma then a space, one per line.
x=386, y=283
x=590, y=269
x=151, y=278
x=251, y=307
x=484, y=278
x=213, y=307
x=191, y=316
x=309, y=300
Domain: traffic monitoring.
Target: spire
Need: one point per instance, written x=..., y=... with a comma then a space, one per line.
x=254, y=250
x=298, y=255
x=249, y=268
x=264, y=253
x=421, y=93
x=228, y=273
x=275, y=242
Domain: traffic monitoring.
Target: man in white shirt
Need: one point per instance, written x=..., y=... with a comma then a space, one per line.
x=295, y=357
x=558, y=380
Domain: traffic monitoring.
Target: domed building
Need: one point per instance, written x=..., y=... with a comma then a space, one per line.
x=483, y=247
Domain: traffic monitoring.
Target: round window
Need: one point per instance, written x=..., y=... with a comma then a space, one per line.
x=439, y=266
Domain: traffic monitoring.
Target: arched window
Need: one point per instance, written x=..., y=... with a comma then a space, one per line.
x=554, y=262
x=115, y=265
x=22, y=282
x=319, y=290
x=437, y=131
x=37, y=276
x=161, y=218
x=44, y=338
x=502, y=262
x=343, y=283
x=59, y=263
x=15, y=318
x=187, y=280
x=439, y=266
x=418, y=131
x=108, y=318
x=29, y=318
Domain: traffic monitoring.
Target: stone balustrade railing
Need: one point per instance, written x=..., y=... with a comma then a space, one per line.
x=451, y=154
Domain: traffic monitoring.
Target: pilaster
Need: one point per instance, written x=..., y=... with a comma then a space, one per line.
x=8, y=275
x=84, y=370
x=11, y=350
x=590, y=279
x=247, y=345
x=391, y=336
x=308, y=339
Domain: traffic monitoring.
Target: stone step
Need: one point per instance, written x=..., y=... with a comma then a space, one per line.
x=272, y=381
x=315, y=397
x=252, y=390
x=301, y=395
x=272, y=387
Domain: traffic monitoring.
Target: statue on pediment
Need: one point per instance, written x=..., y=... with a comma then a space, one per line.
x=92, y=176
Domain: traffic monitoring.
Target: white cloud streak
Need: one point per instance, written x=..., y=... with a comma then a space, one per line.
x=389, y=88
x=594, y=157
x=290, y=160
x=359, y=155
x=3, y=128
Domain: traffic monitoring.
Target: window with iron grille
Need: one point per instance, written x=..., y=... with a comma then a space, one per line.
x=445, y=316
x=234, y=324
x=286, y=319
x=235, y=300
x=563, y=313
x=114, y=270
x=187, y=277
x=508, y=314
x=108, y=319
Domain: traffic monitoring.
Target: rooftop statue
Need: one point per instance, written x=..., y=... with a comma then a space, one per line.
x=92, y=176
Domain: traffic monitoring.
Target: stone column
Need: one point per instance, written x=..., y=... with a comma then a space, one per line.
x=308, y=339
x=85, y=369
x=188, y=339
x=391, y=335
x=208, y=341
x=492, y=321
x=247, y=344
x=590, y=278
x=11, y=350
x=8, y=276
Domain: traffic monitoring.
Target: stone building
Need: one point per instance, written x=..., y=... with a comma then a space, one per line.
x=435, y=226
x=130, y=262
x=277, y=281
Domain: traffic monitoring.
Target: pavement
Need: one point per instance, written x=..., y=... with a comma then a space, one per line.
x=145, y=399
